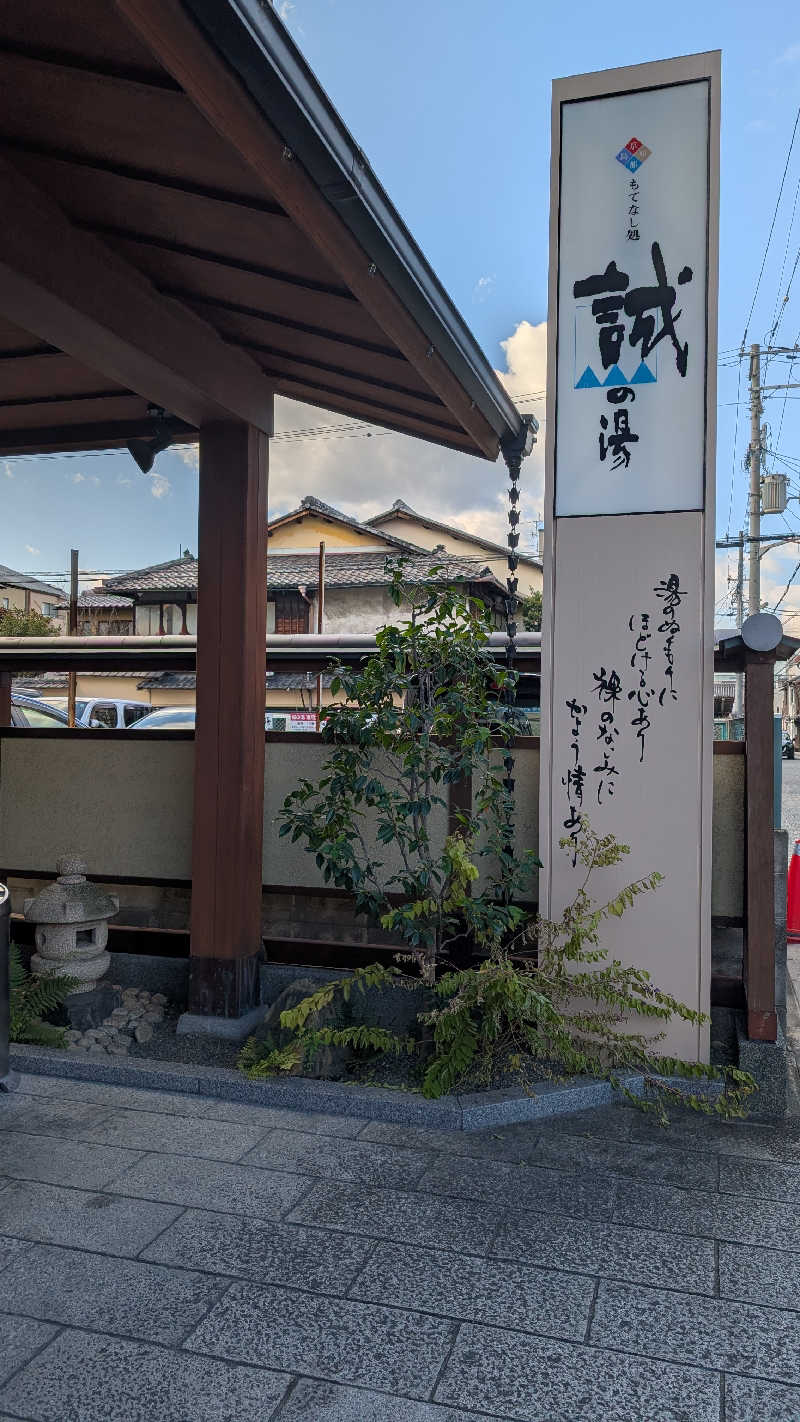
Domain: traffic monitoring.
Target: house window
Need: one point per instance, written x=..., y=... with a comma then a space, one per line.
x=291, y=614
x=4, y=603
x=48, y=609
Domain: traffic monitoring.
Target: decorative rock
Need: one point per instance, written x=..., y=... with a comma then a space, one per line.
x=329, y=1062
x=143, y=1032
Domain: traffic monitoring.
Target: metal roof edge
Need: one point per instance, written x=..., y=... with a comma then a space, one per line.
x=257, y=46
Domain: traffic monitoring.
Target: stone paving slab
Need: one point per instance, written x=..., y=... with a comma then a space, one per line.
x=312, y=1401
x=267, y=1253
x=10, y=1249
x=62, y=1162
x=761, y=1276
x=739, y=1219
x=45, y=1116
x=211, y=1185
x=114, y=1295
x=603, y=1123
x=88, y=1377
x=512, y=1143
x=183, y=1135
x=535, y=1380
x=388, y=1349
x=521, y=1186
x=750, y=1400
x=759, y=1177
x=340, y=1159
x=612, y=1251
x=478, y=1290
x=697, y=1132
x=664, y=1163
x=48, y=1214
x=713, y=1333
x=399, y=1215
x=20, y=1338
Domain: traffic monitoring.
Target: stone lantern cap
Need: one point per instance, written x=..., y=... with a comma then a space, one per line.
x=71, y=899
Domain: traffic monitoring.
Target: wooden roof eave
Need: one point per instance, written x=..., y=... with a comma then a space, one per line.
x=242, y=71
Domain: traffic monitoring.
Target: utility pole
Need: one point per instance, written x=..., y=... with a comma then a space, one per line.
x=320, y=615
x=738, y=700
x=754, y=586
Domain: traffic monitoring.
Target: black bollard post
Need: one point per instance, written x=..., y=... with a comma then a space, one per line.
x=6, y=1081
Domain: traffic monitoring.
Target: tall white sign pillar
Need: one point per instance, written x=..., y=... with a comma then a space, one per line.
x=627, y=639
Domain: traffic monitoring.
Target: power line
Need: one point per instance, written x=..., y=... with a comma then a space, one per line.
x=771, y=228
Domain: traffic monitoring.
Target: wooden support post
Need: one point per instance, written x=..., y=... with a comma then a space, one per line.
x=5, y=698
x=320, y=616
x=759, y=934
x=229, y=742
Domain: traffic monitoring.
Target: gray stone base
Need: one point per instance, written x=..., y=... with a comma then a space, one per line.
x=10, y=1082
x=470, y=1112
x=231, y=1029
x=84, y=1010
x=766, y=1062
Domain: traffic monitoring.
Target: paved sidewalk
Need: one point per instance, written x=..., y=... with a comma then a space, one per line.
x=177, y=1259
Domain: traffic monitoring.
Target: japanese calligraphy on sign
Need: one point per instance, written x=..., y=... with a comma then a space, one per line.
x=632, y=320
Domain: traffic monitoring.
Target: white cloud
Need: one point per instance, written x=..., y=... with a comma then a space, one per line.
x=7, y=470
x=159, y=485
x=189, y=453
x=33, y=551
x=79, y=478
x=284, y=9
x=483, y=287
x=363, y=476
x=122, y=480
x=94, y=479
x=791, y=55
x=759, y=125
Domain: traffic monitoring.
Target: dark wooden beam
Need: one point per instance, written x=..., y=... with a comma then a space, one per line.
x=219, y=259
x=109, y=434
x=185, y=52
x=199, y=298
x=229, y=747
x=759, y=933
x=72, y=291
x=130, y=172
x=66, y=59
x=361, y=377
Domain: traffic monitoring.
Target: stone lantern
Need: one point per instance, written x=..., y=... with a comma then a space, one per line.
x=71, y=918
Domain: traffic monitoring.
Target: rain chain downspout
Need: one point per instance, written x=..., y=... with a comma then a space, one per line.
x=514, y=451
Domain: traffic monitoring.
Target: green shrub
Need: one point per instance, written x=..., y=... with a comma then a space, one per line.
x=31, y=999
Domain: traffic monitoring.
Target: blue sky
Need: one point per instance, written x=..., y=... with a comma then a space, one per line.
x=450, y=100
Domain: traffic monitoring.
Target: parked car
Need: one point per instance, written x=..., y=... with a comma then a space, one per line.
x=101, y=711
x=167, y=718
x=29, y=711
x=787, y=749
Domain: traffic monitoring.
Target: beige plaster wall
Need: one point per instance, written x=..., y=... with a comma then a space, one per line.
x=308, y=533
x=727, y=842
x=125, y=804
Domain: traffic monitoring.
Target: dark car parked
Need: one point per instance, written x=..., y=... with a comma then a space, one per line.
x=29, y=711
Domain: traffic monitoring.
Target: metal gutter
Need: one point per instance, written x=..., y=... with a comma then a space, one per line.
x=256, y=45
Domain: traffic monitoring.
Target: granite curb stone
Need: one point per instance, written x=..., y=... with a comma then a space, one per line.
x=469, y=1112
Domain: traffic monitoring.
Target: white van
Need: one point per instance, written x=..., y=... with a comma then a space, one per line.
x=102, y=711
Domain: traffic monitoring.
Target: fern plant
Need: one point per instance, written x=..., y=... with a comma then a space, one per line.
x=549, y=1004
x=31, y=998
